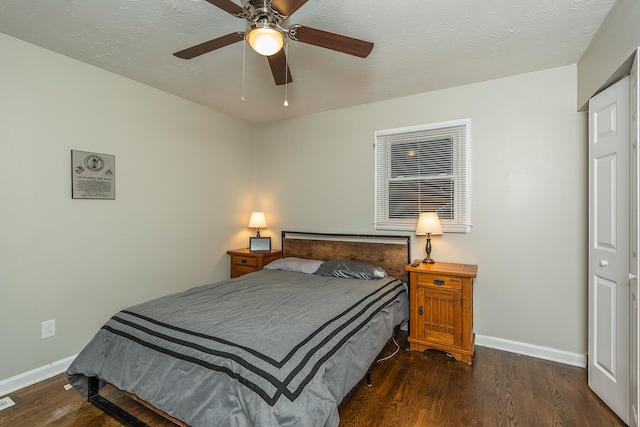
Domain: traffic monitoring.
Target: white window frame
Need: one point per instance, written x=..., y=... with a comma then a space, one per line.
x=461, y=136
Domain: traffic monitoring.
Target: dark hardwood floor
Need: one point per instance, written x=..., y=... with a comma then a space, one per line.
x=412, y=389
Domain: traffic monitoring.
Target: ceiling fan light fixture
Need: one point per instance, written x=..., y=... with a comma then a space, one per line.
x=265, y=38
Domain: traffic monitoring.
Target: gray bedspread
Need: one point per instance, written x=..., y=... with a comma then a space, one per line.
x=271, y=348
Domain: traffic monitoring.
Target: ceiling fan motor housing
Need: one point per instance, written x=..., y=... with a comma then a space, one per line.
x=265, y=21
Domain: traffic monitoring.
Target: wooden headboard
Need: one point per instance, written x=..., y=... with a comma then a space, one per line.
x=389, y=252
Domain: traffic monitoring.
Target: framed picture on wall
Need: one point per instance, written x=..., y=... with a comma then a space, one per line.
x=259, y=244
x=93, y=175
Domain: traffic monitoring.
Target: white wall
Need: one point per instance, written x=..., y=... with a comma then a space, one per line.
x=79, y=261
x=529, y=194
x=603, y=62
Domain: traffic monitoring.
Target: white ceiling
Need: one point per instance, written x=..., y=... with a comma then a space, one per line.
x=420, y=46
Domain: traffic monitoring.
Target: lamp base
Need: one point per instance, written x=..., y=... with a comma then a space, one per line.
x=428, y=259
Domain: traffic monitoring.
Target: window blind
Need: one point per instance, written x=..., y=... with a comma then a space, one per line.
x=423, y=169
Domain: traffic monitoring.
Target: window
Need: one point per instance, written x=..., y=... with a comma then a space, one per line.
x=423, y=169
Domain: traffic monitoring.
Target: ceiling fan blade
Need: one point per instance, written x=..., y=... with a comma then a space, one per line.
x=206, y=47
x=337, y=42
x=279, y=68
x=228, y=6
x=287, y=7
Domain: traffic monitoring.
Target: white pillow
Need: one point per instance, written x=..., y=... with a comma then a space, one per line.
x=299, y=265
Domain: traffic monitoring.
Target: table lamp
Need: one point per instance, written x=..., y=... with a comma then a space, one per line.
x=257, y=221
x=428, y=223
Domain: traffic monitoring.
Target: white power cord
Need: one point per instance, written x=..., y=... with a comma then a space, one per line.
x=393, y=338
x=392, y=354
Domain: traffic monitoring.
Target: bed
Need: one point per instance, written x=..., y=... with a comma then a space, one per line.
x=281, y=346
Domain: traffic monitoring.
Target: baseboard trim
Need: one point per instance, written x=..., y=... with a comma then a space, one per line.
x=546, y=353
x=42, y=373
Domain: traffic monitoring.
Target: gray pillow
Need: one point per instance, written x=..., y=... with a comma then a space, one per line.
x=351, y=269
x=294, y=264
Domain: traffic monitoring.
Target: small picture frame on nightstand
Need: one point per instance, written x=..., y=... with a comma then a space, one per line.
x=259, y=244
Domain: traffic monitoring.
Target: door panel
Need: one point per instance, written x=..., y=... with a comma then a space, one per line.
x=604, y=304
x=442, y=315
x=604, y=176
x=609, y=247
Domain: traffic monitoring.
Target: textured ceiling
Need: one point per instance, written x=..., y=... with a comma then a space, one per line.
x=420, y=46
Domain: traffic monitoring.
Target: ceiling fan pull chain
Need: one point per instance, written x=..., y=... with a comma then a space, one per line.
x=286, y=71
x=244, y=50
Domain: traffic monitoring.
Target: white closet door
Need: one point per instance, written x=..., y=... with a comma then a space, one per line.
x=609, y=247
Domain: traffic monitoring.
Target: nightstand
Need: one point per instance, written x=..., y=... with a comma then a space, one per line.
x=441, y=308
x=244, y=261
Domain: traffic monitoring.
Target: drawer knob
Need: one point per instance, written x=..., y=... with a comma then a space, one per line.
x=244, y=261
x=438, y=282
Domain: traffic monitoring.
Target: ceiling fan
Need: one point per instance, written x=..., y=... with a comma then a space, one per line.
x=266, y=35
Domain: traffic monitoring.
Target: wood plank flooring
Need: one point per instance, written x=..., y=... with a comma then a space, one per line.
x=410, y=390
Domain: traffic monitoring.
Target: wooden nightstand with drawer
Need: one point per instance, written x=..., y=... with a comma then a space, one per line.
x=441, y=308
x=244, y=261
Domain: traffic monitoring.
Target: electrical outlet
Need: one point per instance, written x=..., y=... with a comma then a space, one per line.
x=48, y=328
x=5, y=402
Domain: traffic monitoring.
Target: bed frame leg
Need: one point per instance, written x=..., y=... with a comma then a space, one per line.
x=94, y=387
x=109, y=408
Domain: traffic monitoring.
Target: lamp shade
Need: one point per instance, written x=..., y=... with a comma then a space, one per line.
x=265, y=39
x=257, y=220
x=428, y=223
